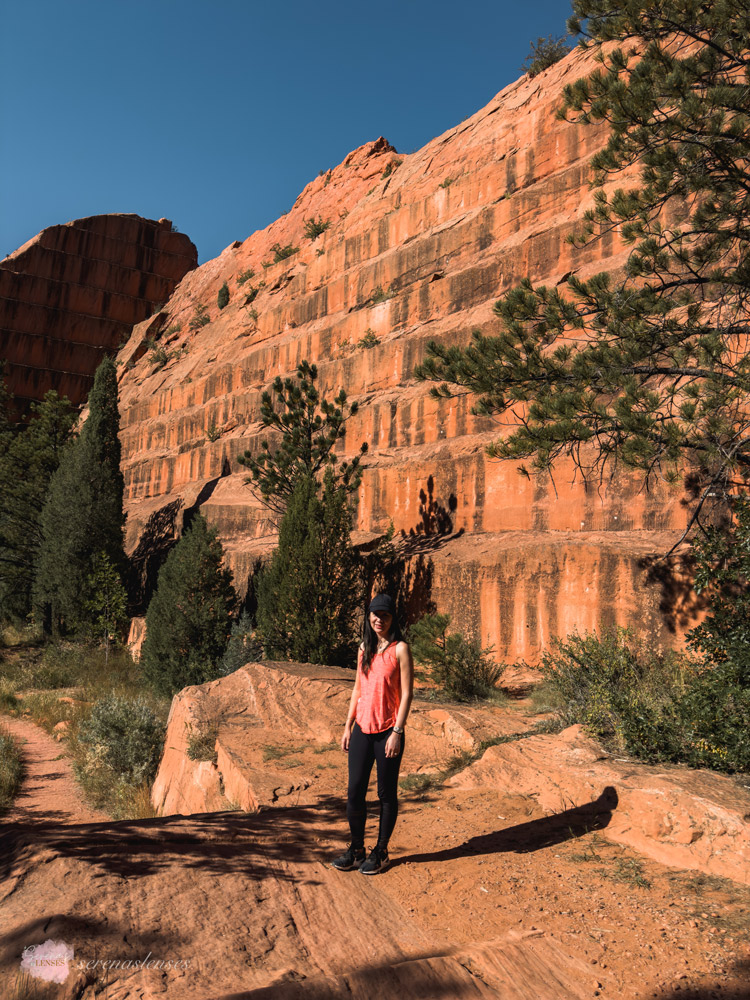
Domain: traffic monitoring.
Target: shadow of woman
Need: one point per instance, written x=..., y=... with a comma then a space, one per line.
x=532, y=836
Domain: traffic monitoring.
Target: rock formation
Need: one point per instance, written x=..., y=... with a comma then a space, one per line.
x=75, y=291
x=418, y=247
x=275, y=730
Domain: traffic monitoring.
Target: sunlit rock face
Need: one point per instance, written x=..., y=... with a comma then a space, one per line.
x=75, y=291
x=418, y=247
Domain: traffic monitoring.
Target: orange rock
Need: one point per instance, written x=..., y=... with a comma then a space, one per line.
x=411, y=258
x=73, y=292
x=296, y=710
x=677, y=816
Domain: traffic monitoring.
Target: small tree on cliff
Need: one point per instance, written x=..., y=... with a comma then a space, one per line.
x=650, y=370
x=189, y=619
x=309, y=595
x=83, y=511
x=27, y=464
x=307, y=428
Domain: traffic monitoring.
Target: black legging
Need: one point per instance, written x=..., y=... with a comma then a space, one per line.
x=364, y=749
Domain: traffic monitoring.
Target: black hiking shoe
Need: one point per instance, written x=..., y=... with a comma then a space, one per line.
x=378, y=861
x=353, y=857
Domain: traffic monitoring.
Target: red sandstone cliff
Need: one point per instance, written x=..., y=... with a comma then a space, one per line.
x=75, y=291
x=419, y=247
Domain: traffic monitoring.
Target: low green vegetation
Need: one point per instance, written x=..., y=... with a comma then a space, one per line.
x=459, y=666
x=213, y=433
x=315, y=227
x=370, y=339
x=281, y=253
x=378, y=295
x=11, y=768
x=545, y=52
x=447, y=182
x=222, y=299
x=200, y=317
x=114, y=723
x=390, y=166
x=245, y=276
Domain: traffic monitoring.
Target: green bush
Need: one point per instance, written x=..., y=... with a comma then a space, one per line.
x=200, y=318
x=657, y=707
x=245, y=276
x=222, y=299
x=607, y=683
x=124, y=737
x=390, y=166
x=369, y=340
x=314, y=227
x=460, y=666
x=545, y=52
x=282, y=252
x=243, y=647
x=188, y=619
x=11, y=768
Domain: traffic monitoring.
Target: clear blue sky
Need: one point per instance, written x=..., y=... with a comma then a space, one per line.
x=216, y=113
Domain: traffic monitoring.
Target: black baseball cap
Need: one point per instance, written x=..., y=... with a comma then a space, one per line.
x=383, y=603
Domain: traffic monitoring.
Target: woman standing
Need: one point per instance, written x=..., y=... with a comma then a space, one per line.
x=374, y=732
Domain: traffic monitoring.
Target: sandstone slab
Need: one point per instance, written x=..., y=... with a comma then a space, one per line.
x=677, y=816
x=276, y=730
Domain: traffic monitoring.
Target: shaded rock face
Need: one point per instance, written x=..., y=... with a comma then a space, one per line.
x=75, y=291
x=418, y=247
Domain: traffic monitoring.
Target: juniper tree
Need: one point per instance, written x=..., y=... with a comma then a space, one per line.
x=649, y=369
x=189, y=618
x=27, y=464
x=309, y=594
x=83, y=511
x=307, y=428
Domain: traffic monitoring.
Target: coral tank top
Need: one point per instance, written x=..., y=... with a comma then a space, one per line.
x=380, y=692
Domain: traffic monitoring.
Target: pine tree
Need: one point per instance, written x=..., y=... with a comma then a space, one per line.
x=107, y=606
x=650, y=370
x=83, y=511
x=308, y=428
x=189, y=618
x=27, y=464
x=308, y=596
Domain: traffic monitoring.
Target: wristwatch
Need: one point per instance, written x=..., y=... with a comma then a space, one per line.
x=399, y=732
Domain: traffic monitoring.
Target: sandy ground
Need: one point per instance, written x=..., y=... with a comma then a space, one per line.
x=248, y=898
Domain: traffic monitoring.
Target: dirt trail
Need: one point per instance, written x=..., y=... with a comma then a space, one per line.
x=49, y=793
x=487, y=897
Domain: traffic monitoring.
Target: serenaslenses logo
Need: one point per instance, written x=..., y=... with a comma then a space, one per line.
x=49, y=961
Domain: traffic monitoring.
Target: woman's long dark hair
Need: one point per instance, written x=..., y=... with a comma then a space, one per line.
x=370, y=640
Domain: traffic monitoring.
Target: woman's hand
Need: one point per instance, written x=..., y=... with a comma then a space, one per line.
x=346, y=737
x=393, y=745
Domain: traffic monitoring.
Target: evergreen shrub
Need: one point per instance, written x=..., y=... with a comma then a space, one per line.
x=309, y=595
x=545, y=52
x=188, y=621
x=243, y=647
x=460, y=666
x=222, y=299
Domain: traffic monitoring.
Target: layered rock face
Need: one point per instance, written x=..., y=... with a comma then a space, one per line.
x=75, y=291
x=418, y=247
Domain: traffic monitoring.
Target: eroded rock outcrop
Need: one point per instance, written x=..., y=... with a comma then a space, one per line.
x=275, y=730
x=678, y=816
x=418, y=247
x=75, y=291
